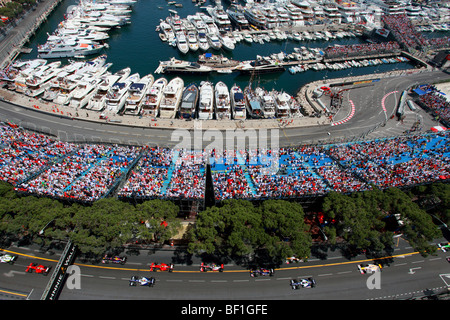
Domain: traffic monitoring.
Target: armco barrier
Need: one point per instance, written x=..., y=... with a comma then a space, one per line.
x=58, y=278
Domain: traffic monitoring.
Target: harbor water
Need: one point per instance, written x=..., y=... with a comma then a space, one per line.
x=138, y=46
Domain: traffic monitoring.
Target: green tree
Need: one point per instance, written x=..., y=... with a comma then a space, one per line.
x=285, y=229
x=106, y=225
x=157, y=220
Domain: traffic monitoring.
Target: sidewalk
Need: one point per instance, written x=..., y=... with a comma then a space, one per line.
x=23, y=29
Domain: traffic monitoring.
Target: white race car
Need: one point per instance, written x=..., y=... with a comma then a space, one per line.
x=7, y=258
x=369, y=268
x=303, y=283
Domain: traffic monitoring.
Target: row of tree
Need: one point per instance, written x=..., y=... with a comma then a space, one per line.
x=237, y=229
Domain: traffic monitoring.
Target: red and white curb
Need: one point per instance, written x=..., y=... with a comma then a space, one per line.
x=349, y=116
x=384, y=98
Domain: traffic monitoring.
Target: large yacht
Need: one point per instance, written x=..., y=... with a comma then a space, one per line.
x=68, y=50
x=220, y=17
x=180, y=66
x=305, y=8
x=237, y=17
x=85, y=89
x=222, y=101
x=259, y=66
x=189, y=102
x=117, y=95
x=150, y=103
x=206, y=101
x=97, y=102
x=255, y=17
x=239, y=110
x=136, y=94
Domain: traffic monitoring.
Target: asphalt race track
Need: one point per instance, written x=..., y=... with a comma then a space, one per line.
x=406, y=274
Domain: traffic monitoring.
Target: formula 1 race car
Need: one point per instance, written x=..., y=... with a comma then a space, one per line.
x=303, y=283
x=7, y=258
x=38, y=268
x=369, y=268
x=261, y=272
x=212, y=267
x=161, y=267
x=142, y=281
x=114, y=259
x=445, y=246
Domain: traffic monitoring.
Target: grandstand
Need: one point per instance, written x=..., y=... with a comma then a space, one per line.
x=39, y=165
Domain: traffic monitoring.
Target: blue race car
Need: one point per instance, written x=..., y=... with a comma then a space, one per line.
x=261, y=272
x=303, y=283
x=142, y=281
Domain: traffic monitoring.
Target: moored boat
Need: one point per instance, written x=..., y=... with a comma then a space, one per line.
x=171, y=98
x=189, y=101
x=150, y=103
x=252, y=104
x=136, y=94
x=222, y=101
x=238, y=108
x=206, y=101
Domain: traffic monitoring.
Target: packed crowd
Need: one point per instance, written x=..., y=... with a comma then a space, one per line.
x=397, y=162
x=438, y=43
x=187, y=178
x=232, y=183
x=404, y=31
x=361, y=49
x=37, y=164
x=86, y=174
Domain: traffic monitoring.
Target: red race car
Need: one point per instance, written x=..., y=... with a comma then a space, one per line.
x=161, y=267
x=211, y=267
x=38, y=268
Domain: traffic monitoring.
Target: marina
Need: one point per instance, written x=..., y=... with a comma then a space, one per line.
x=268, y=63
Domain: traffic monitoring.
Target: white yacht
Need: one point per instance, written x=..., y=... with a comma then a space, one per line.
x=203, y=42
x=192, y=41
x=136, y=94
x=40, y=80
x=166, y=29
x=283, y=109
x=238, y=102
x=226, y=42
x=222, y=101
x=219, y=16
x=267, y=102
x=255, y=17
x=149, y=105
x=98, y=100
x=206, y=101
x=117, y=95
x=214, y=41
x=211, y=27
x=64, y=85
x=68, y=49
x=171, y=98
x=182, y=43
x=85, y=89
